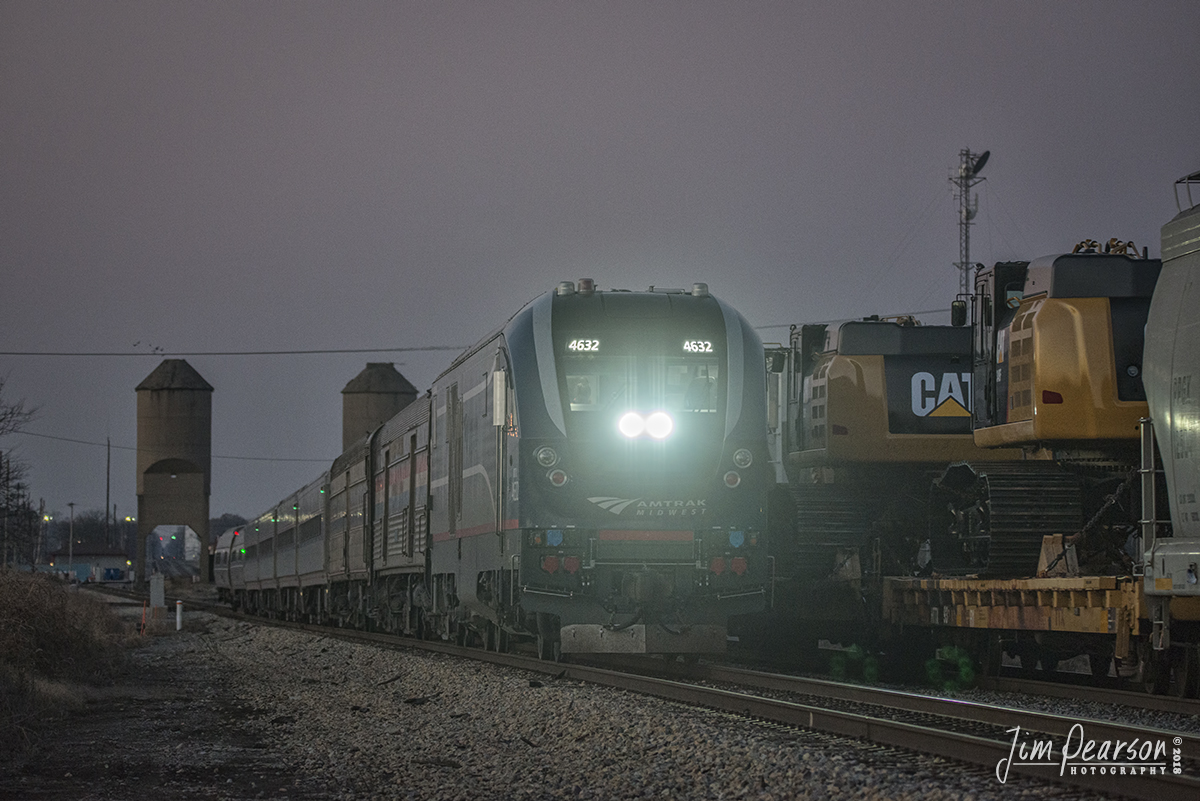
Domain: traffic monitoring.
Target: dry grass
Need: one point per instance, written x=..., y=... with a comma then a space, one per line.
x=52, y=640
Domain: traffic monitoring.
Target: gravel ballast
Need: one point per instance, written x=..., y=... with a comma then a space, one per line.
x=230, y=710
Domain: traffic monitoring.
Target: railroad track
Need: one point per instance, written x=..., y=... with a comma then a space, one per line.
x=973, y=733
x=1085, y=692
x=978, y=734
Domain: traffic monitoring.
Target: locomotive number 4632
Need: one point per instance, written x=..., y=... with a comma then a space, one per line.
x=584, y=345
x=697, y=346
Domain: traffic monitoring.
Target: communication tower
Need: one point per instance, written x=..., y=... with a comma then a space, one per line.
x=964, y=178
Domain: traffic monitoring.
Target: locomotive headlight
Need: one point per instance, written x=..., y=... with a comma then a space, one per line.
x=743, y=458
x=631, y=424
x=659, y=425
x=546, y=456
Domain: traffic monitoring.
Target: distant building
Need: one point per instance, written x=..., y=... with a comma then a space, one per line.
x=91, y=564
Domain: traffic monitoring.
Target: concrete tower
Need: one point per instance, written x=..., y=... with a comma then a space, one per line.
x=174, y=455
x=372, y=397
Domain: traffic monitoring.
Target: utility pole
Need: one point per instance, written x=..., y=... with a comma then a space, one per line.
x=107, y=484
x=71, y=546
x=964, y=178
x=4, y=548
x=41, y=540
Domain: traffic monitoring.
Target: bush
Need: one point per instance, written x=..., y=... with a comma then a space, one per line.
x=50, y=638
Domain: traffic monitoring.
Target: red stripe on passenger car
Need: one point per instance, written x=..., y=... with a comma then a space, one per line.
x=614, y=535
x=474, y=531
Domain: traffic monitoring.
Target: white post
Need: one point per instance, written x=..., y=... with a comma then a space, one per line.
x=178, y=615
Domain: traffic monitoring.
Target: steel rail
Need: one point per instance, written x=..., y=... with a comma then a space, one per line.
x=968, y=711
x=875, y=729
x=1085, y=692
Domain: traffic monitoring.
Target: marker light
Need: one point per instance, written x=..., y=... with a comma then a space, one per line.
x=659, y=425
x=732, y=479
x=557, y=477
x=546, y=456
x=631, y=424
x=743, y=458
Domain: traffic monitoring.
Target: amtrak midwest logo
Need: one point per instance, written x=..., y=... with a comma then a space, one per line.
x=949, y=396
x=646, y=508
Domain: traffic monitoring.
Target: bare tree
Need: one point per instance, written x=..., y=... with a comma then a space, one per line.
x=13, y=414
x=17, y=516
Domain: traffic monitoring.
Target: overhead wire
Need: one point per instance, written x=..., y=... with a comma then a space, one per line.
x=154, y=450
x=850, y=319
x=236, y=352
x=909, y=235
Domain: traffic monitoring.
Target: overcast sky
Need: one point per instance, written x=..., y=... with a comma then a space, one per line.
x=230, y=176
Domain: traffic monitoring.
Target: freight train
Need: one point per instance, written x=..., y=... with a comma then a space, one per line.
x=592, y=477
x=986, y=486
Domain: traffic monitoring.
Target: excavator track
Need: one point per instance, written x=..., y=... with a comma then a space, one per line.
x=989, y=518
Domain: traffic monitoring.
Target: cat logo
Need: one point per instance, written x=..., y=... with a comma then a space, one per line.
x=950, y=397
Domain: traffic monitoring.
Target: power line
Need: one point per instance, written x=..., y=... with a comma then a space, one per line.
x=152, y=450
x=236, y=352
x=851, y=319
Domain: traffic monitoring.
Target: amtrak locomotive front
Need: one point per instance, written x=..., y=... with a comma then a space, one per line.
x=592, y=476
x=606, y=489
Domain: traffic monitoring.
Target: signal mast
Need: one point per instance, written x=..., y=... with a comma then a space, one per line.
x=964, y=178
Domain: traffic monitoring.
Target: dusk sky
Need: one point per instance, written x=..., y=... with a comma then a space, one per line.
x=267, y=176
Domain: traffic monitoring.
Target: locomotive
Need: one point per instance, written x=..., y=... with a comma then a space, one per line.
x=592, y=476
x=983, y=486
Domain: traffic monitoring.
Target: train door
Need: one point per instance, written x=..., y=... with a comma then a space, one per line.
x=454, y=454
x=337, y=538
x=409, y=522
x=380, y=523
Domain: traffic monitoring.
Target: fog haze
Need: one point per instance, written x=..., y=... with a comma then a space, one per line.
x=235, y=176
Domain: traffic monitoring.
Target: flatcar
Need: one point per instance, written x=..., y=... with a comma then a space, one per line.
x=1038, y=547
x=591, y=476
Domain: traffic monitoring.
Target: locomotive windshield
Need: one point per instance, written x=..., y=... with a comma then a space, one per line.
x=602, y=383
x=642, y=385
